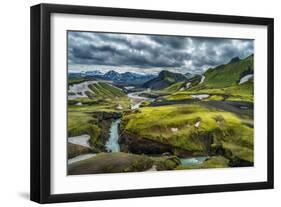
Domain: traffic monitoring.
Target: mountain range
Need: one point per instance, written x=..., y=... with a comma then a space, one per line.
x=119, y=78
x=224, y=75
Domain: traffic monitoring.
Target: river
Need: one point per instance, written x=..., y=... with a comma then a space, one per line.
x=189, y=161
x=137, y=100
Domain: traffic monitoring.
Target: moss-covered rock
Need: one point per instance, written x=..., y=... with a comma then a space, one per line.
x=138, y=145
x=166, y=162
x=74, y=150
x=111, y=163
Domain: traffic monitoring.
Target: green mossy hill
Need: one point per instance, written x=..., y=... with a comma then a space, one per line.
x=74, y=150
x=164, y=80
x=228, y=74
x=77, y=80
x=183, y=85
x=175, y=125
x=166, y=162
x=102, y=89
x=212, y=162
x=178, y=96
x=111, y=163
x=102, y=97
x=99, y=104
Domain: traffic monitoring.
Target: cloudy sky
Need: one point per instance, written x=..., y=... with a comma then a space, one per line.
x=151, y=53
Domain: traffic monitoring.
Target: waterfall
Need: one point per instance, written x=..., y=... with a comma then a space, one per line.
x=112, y=144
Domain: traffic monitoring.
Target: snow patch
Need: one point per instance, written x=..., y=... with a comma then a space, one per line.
x=187, y=85
x=82, y=140
x=245, y=79
x=202, y=79
x=200, y=96
x=79, y=90
x=80, y=157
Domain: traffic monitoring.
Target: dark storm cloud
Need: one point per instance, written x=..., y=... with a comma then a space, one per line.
x=150, y=51
x=170, y=41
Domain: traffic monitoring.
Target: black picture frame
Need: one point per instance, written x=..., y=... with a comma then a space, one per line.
x=41, y=102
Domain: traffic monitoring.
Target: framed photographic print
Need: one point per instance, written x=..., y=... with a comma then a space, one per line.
x=132, y=103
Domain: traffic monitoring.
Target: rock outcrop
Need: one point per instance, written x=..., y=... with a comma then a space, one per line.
x=134, y=144
x=74, y=150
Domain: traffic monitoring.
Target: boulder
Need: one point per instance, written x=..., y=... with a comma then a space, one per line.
x=74, y=150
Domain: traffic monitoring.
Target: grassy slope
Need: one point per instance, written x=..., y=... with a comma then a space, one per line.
x=175, y=87
x=83, y=123
x=222, y=82
x=227, y=75
x=243, y=92
x=177, y=96
x=226, y=128
x=76, y=80
x=106, y=90
x=178, y=85
x=104, y=97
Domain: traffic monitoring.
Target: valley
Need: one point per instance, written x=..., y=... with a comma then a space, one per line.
x=128, y=122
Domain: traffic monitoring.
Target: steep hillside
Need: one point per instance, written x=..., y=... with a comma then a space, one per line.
x=97, y=96
x=164, y=79
x=183, y=85
x=228, y=74
x=103, y=89
x=175, y=87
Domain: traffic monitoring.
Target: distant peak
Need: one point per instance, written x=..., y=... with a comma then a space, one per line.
x=235, y=59
x=165, y=71
x=112, y=71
